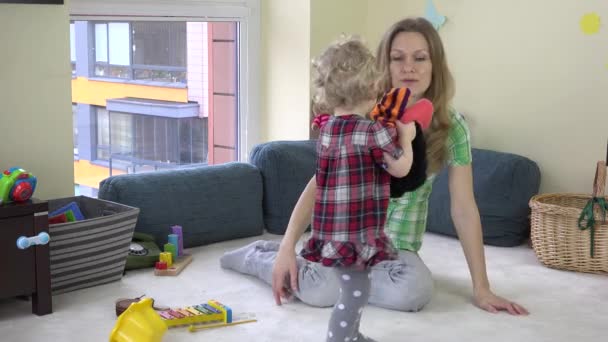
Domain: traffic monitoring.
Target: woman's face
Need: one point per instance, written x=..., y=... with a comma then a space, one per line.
x=410, y=63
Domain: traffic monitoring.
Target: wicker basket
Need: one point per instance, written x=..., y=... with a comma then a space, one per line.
x=556, y=237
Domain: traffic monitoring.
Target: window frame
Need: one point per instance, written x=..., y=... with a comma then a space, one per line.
x=73, y=61
x=245, y=12
x=107, y=65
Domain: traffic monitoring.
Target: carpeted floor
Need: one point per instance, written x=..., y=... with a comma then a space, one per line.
x=564, y=306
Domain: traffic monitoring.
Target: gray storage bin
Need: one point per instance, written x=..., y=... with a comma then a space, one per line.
x=93, y=251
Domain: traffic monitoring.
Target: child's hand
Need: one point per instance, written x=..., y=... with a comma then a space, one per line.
x=407, y=132
x=284, y=275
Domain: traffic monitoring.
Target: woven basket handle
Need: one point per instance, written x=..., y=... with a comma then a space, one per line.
x=599, y=183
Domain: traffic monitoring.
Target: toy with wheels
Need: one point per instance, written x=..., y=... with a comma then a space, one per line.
x=16, y=185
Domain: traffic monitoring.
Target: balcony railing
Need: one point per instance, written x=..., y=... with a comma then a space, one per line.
x=156, y=73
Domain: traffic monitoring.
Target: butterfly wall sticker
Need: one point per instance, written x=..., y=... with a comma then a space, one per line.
x=433, y=16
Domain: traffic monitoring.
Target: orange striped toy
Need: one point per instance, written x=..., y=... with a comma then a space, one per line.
x=392, y=107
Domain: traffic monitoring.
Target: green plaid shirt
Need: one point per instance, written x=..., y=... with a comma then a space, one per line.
x=406, y=216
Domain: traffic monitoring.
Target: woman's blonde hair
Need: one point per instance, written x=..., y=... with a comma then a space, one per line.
x=344, y=75
x=440, y=91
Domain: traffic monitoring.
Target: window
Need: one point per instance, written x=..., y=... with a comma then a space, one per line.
x=158, y=91
x=112, y=45
x=141, y=50
x=103, y=134
x=75, y=129
x=155, y=140
x=159, y=51
x=158, y=141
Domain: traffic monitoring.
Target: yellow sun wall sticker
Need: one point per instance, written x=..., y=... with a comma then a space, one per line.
x=590, y=23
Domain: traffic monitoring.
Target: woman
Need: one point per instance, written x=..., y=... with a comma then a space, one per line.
x=411, y=55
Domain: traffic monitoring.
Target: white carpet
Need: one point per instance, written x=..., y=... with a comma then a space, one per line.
x=564, y=306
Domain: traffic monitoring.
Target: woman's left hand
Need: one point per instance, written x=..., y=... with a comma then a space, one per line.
x=490, y=302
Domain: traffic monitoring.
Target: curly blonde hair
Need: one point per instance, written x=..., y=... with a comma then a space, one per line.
x=344, y=75
x=440, y=91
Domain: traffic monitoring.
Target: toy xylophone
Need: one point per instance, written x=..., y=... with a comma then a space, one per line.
x=140, y=322
x=210, y=312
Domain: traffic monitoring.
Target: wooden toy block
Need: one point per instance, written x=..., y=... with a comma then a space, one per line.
x=178, y=265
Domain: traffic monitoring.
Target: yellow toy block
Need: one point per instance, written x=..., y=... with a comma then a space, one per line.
x=166, y=257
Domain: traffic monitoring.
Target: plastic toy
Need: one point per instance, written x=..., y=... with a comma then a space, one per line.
x=67, y=216
x=172, y=249
x=26, y=242
x=241, y=319
x=16, y=185
x=139, y=323
x=210, y=312
x=178, y=260
x=167, y=258
x=391, y=108
x=421, y=112
x=61, y=218
x=213, y=314
x=70, y=207
x=176, y=266
x=177, y=230
x=143, y=252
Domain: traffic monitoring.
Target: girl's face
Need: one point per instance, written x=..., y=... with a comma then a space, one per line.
x=410, y=63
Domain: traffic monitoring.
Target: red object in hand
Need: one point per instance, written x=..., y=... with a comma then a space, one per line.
x=421, y=112
x=393, y=107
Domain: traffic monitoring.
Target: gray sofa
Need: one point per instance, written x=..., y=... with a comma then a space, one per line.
x=236, y=200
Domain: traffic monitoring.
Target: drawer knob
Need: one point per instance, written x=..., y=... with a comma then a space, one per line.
x=26, y=242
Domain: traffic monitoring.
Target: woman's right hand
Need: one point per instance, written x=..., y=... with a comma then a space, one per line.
x=284, y=274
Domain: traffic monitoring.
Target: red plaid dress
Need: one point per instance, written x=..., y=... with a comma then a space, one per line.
x=352, y=193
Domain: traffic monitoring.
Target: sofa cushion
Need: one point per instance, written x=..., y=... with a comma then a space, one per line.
x=286, y=168
x=503, y=184
x=211, y=203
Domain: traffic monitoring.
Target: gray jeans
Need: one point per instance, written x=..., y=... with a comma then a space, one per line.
x=405, y=284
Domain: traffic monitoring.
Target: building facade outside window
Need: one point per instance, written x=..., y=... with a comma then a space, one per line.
x=152, y=95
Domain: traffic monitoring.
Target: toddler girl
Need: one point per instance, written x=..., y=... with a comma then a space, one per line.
x=355, y=160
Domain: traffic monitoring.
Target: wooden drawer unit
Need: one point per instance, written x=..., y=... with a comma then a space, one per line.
x=25, y=272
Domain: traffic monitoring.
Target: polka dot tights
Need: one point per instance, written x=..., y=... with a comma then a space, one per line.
x=346, y=315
